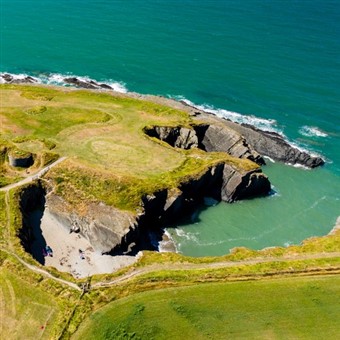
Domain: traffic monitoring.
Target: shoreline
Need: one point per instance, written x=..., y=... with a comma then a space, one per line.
x=69, y=81
x=75, y=264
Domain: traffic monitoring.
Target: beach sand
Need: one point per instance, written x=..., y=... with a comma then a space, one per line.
x=65, y=246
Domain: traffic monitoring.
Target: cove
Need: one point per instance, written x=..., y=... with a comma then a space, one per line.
x=294, y=212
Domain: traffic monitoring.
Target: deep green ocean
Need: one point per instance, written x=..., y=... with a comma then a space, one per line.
x=275, y=64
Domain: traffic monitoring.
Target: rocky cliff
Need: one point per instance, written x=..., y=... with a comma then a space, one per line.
x=208, y=137
x=111, y=230
x=264, y=143
x=245, y=137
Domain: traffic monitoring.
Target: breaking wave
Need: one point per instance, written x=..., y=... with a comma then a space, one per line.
x=312, y=131
x=59, y=79
x=261, y=123
x=111, y=85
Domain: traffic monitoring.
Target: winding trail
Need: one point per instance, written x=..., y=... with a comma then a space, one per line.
x=214, y=265
x=6, y=189
x=33, y=177
x=41, y=271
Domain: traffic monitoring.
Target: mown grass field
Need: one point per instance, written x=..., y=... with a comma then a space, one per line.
x=32, y=306
x=303, y=308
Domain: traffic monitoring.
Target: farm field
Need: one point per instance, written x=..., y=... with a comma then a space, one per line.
x=290, y=308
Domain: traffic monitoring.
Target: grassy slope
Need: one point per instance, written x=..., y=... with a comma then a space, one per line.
x=110, y=157
x=277, y=309
x=25, y=310
x=32, y=307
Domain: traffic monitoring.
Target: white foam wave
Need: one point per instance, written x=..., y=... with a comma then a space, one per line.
x=186, y=235
x=168, y=244
x=261, y=123
x=58, y=79
x=269, y=159
x=287, y=244
x=19, y=76
x=312, y=131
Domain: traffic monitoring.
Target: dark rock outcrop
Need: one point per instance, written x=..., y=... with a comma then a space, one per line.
x=273, y=145
x=263, y=143
x=220, y=138
x=86, y=84
x=12, y=79
x=103, y=226
x=208, y=137
x=179, y=137
x=237, y=186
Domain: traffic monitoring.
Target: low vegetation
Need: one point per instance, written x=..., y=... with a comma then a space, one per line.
x=32, y=306
x=3, y=216
x=246, y=294
x=291, y=308
x=110, y=157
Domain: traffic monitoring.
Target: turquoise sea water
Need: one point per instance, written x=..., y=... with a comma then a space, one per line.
x=273, y=63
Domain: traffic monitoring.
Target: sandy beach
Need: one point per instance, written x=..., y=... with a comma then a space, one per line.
x=71, y=252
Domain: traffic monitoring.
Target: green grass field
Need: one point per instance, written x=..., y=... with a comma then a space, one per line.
x=26, y=312
x=110, y=158
x=295, y=308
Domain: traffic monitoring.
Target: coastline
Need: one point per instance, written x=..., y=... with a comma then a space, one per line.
x=158, y=99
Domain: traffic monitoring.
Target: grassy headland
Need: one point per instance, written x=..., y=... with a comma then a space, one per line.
x=110, y=159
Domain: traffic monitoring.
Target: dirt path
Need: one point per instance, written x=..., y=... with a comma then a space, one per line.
x=42, y=271
x=172, y=267
x=8, y=218
x=226, y=264
x=33, y=177
x=146, y=269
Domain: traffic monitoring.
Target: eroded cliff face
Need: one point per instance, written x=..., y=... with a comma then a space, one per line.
x=258, y=142
x=103, y=226
x=273, y=145
x=110, y=230
x=208, y=137
x=31, y=199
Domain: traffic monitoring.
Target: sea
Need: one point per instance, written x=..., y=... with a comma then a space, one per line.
x=274, y=64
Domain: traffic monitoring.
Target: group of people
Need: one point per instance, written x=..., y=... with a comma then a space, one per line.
x=81, y=254
x=47, y=251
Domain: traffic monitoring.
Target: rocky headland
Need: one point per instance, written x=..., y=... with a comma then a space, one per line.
x=115, y=231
